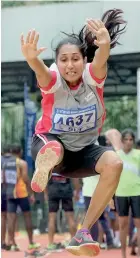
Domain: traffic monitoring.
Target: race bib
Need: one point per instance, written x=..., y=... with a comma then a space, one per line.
x=10, y=177
x=78, y=120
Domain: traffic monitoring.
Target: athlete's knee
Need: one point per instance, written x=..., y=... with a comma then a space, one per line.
x=110, y=164
x=117, y=165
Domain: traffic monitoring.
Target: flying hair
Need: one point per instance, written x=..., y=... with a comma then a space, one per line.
x=114, y=23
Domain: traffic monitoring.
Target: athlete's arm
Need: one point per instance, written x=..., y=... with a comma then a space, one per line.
x=77, y=188
x=46, y=194
x=114, y=136
x=99, y=63
x=24, y=175
x=31, y=52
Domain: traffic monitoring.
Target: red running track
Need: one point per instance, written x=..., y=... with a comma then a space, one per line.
x=43, y=239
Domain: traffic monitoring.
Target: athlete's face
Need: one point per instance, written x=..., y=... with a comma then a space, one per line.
x=70, y=63
x=128, y=142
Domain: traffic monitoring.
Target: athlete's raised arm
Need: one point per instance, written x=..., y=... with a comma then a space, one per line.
x=31, y=52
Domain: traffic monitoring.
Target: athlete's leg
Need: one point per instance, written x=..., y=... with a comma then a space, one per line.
x=3, y=222
x=109, y=166
x=93, y=160
x=11, y=221
x=25, y=207
x=47, y=151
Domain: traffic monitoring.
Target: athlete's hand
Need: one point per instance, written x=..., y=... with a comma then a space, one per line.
x=112, y=204
x=76, y=195
x=32, y=198
x=98, y=29
x=29, y=45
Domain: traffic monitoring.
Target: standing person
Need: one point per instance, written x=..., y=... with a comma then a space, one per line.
x=59, y=190
x=128, y=191
x=73, y=115
x=6, y=153
x=17, y=188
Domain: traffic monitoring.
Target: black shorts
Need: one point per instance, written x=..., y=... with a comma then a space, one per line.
x=3, y=205
x=54, y=204
x=124, y=204
x=75, y=164
x=23, y=203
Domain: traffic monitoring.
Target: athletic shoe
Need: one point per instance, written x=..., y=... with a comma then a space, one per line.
x=33, y=246
x=13, y=248
x=83, y=244
x=3, y=246
x=103, y=245
x=133, y=252
x=47, y=158
x=111, y=246
x=61, y=246
x=34, y=253
x=54, y=247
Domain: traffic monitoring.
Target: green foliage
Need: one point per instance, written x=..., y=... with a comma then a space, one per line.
x=121, y=113
x=5, y=4
x=12, y=126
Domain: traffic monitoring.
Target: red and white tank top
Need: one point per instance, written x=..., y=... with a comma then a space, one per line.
x=75, y=114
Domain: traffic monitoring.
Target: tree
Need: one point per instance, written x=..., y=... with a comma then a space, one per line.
x=121, y=113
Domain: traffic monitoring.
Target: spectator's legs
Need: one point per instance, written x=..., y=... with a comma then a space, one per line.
x=134, y=243
x=11, y=218
x=137, y=224
x=101, y=235
x=51, y=226
x=28, y=225
x=25, y=207
x=94, y=229
x=115, y=227
x=3, y=227
x=123, y=224
x=71, y=223
x=105, y=225
x=131, y=228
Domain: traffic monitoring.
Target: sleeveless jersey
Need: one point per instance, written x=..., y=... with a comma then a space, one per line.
x=3, y=186
x=10, y=175
x=74, y=114
x=129, y=184
x=15, y=186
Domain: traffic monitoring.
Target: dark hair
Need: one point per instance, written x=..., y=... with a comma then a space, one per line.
x=16, y=149
x=6, y=149
x=138, y=144
x=128, y=131
x=112, y=20
x=102, y=140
